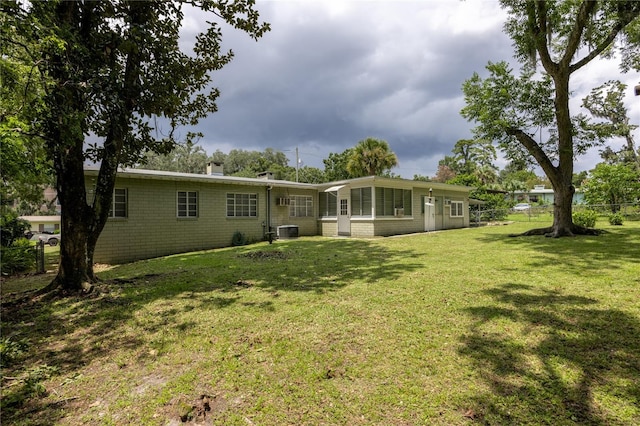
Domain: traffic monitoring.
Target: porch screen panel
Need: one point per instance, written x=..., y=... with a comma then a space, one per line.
x=355, y=202
x=389, y=199
x=328, y=204
x=407, y=202
x=366, y=202
x=361, y=202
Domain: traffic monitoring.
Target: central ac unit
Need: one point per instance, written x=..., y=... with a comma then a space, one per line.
x=284, y=201
x=398, y=212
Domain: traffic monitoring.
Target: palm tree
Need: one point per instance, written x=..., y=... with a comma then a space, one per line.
x=371, y=157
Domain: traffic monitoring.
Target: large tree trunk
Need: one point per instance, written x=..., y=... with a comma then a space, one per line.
x=82, y=222
x=562, y=210
x=64, y=132
x=563, y=174
x=75, y=271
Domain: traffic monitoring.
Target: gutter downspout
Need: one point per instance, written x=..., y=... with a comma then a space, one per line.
x=269, y=211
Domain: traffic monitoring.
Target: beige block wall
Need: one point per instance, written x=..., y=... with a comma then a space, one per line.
x=328, y=227
x=280, y=214
x=152, y=228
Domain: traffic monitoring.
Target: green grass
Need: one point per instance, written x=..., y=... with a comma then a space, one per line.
x=446, y=328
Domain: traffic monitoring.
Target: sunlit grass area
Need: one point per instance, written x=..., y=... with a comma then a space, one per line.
x=444, y=328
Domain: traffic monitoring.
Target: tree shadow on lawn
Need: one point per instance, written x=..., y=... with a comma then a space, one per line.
x=581, y=254
x=69, y=333
x=571, y=363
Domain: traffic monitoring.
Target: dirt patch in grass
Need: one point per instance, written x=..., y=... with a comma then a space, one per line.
x=265, y=255
x=204, y=409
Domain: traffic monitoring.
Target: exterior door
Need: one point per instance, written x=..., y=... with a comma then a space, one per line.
x=429, y=215
x=344, y=218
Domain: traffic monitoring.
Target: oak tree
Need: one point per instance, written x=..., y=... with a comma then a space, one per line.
x=529, y=115
x=110, y=71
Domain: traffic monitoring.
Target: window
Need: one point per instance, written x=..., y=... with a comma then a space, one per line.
x=328, y=204
x=389, y=199
x=242, y=205
x=361, y=202
x=456, y=209
x=301, y=206
x=344, y=207
x=187, y=204
x=118, y=203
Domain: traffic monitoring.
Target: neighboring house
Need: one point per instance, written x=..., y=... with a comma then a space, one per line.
x=157, y=213
x=50, y=196
x=43, y=223
x=541, y=195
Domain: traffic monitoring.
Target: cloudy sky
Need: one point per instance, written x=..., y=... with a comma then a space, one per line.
x=331, y=73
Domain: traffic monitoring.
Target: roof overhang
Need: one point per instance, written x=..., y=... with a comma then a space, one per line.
x=334, y=188
x=92, y=171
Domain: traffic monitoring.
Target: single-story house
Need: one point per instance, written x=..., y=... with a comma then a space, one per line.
x=157, y=213
x=541, y=195
x=43, y=223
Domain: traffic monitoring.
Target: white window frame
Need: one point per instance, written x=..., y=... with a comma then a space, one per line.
x=190, y=205
x=301, y=204
x=242, y=209
x=457, y=209
x=119, y=192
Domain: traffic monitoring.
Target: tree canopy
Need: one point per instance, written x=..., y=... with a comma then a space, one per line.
x=25, y=169
x=612, y=184
x=186, y=157
x=606, y=102
x=109, y=73
x=529, y=115
x=371, y=157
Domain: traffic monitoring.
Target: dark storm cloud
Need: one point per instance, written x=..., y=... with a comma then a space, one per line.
x=332, y=73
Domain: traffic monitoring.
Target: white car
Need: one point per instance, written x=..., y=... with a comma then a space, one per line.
x=51, y=239
x=521, y=207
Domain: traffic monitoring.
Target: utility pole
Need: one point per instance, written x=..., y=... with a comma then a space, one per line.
x=297, y=163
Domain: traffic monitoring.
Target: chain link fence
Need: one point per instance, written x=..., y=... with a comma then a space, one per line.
x=544, y=213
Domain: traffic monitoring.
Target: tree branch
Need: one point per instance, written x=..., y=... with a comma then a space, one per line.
x=535, y=150
x=585, y=12
x=599, y=49
x=538, y=26
x=622, y=22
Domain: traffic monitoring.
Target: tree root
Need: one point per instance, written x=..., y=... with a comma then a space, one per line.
x=56, y=286
x=551, y=232
x=537, y=231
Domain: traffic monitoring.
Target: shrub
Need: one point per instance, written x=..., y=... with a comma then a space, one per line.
x=238, y=239
x=18, y=257
x=586, y=218
x=616, y=219
x=12, y=228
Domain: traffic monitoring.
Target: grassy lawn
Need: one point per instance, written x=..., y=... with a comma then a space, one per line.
x=447, y=328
